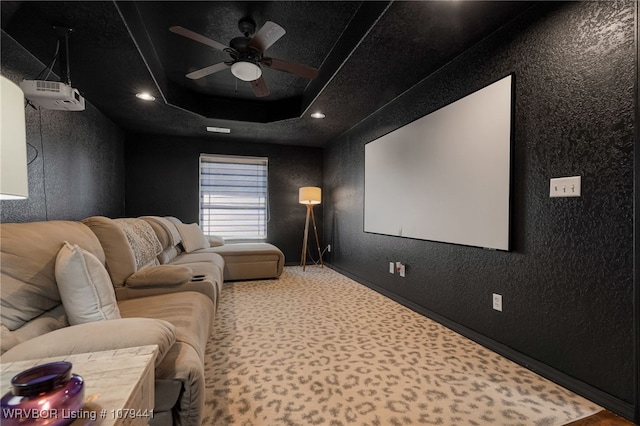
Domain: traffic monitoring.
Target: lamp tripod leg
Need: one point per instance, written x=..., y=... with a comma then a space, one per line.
x=315, y=230
x=303, y=256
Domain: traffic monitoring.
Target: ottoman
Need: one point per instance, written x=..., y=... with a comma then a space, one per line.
x=250, y=261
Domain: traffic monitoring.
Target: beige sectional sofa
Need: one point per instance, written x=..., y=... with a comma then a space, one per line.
x=165, y=296
x=176, y=317
x=242, y=261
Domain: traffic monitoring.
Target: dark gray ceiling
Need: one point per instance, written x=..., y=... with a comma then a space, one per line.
x=367, y=53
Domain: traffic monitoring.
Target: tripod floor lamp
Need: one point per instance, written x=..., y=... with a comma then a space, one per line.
x=309, y=196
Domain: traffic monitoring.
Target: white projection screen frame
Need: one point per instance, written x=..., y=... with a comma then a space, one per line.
x=446, y=176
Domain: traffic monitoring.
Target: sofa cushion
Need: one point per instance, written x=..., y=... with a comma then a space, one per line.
x=173, y=220
x=85, y=287
x=165, y=230
x=97, y=336
x=28, y=254
x=120, y=260
x=51, y=320
x=7, y=339
x=163, y=275
x=192, y=237
x=191, y=313
x=207, y=286
x=167, y=235
x=249, y=261
x=199, y=256
x=168, y=254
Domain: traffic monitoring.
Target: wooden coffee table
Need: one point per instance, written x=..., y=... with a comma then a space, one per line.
x=119, y=388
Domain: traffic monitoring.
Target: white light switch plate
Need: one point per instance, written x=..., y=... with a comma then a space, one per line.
x=497, y=302
x=565, y=187
x=392, y=268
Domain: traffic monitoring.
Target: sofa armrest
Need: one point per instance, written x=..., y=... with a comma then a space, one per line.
x=97, y=336
x=159, y=276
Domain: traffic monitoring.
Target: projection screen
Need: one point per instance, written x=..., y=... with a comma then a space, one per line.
x=446, y=176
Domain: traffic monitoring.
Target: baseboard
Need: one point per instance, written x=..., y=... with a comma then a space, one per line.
x=587, y=391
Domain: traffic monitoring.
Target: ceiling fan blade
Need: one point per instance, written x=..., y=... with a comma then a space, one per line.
x=268, y=34
x=197, y=37
x=203, y=72
x=290, y=67
x=260, y=88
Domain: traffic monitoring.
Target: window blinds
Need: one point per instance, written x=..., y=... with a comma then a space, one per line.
x=234, y=196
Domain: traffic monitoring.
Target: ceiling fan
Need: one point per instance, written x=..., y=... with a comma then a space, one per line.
x=247, y=53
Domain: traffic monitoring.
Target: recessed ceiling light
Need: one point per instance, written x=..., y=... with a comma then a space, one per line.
x=145, y=96
x=318, y=115
x=218, y=130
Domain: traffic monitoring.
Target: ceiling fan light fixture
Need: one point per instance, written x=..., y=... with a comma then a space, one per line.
x=246, y=71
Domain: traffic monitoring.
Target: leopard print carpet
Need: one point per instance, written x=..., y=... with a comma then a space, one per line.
x=316, y=348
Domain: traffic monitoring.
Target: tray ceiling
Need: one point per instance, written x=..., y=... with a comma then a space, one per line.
x=367, y=53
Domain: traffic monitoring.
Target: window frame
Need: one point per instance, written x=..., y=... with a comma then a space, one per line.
x=235, y=160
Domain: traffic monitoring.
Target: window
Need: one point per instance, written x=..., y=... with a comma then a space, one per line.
x=233, y=196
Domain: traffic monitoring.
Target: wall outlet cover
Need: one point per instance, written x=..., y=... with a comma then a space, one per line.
x=565, y=187
x=497, y=302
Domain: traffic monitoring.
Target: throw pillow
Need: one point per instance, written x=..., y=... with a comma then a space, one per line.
x=84, y=285
x=192, y=237
x=142, y=239
x=216, y=241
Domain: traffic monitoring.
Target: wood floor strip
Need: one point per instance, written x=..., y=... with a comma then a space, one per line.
x=603, y=418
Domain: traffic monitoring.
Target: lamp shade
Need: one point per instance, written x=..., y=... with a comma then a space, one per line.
x=14, y=184
x=310, y=195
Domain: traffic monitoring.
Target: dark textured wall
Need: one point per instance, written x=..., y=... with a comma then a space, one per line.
x=567, y=283
x=77, y=158
x=162, y=179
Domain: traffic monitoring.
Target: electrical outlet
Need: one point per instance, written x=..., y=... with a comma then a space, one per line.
x=497, y=302
x=402, y=269
x=392, y=268
x=565, y=187
x=329, y=248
